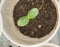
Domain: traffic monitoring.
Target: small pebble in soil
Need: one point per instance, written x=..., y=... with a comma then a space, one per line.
x=40, y=7
x=35, y=29
x=38, y=17
x=47, y=4
x=39, y=26
x=45, y=11
x=32, y=3
x=23, y=8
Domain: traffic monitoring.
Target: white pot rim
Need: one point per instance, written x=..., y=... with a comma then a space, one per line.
x=28, y=45
x=50, y=44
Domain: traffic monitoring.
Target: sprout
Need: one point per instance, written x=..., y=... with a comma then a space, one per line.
x=23, y=21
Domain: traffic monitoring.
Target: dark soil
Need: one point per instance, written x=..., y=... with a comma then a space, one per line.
x=42, y=24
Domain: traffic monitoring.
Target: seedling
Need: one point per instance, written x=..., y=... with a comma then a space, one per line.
x=23, y=21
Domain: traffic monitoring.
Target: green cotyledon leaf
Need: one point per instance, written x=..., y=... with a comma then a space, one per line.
x=33, y=13
x=23, y=21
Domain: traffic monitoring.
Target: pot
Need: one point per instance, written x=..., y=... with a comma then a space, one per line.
x=49, y=45
x=12, y=33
